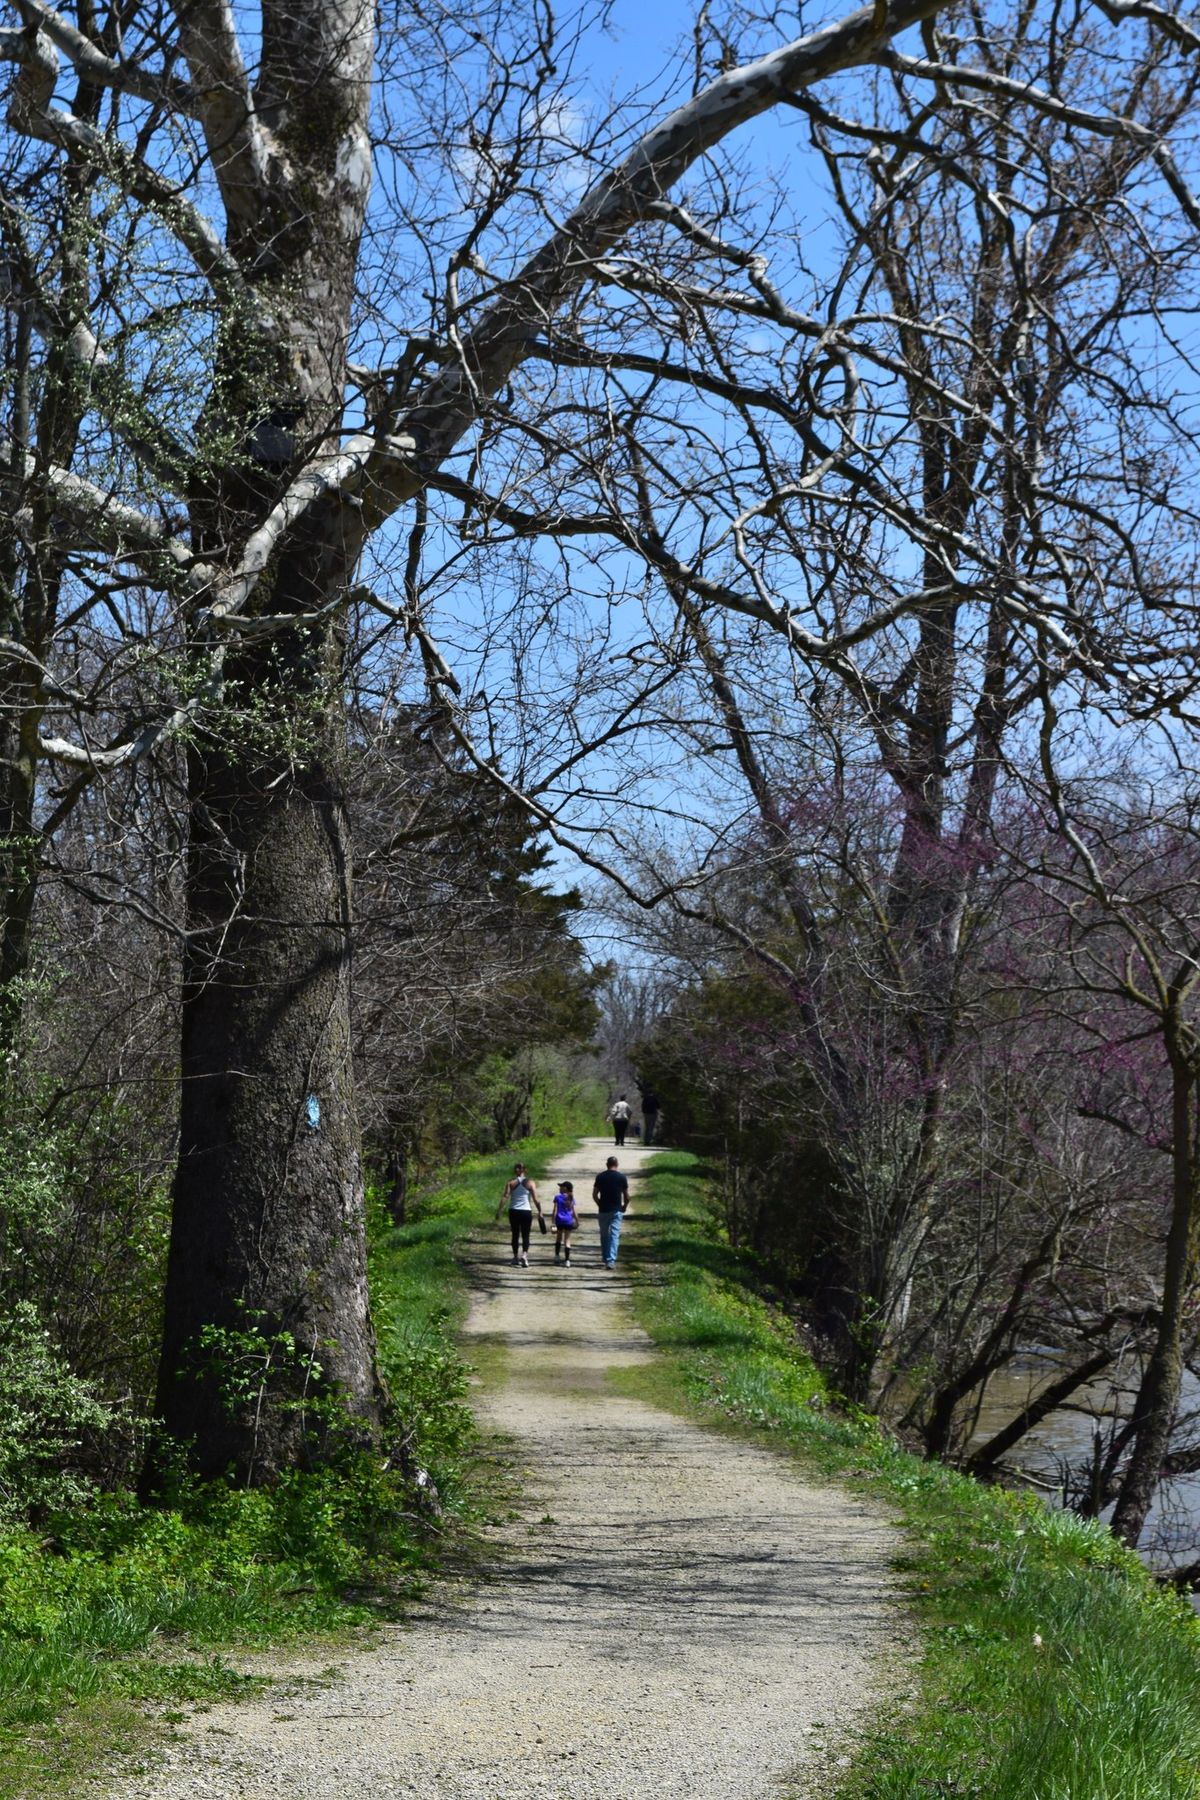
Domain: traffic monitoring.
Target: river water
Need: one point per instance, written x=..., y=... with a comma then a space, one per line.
x=1068, y=1436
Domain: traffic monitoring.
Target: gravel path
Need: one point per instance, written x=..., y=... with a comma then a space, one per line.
x=697, y=1623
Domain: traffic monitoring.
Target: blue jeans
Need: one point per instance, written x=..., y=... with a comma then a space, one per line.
x=610, y=1235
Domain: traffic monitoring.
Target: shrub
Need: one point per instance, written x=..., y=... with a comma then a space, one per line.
x=45, y=1414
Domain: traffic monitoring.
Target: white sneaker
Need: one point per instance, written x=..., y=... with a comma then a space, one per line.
x=524, y=1261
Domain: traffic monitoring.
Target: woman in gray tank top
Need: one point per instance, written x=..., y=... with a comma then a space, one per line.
x=520, y=1196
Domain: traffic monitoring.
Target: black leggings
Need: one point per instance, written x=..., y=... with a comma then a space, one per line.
x=520, y=1223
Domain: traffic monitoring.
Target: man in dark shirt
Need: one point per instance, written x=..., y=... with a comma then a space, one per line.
x=610, y=1191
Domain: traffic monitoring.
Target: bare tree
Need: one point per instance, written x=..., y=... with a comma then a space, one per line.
x=250, y=188
x=1127, y=877
x=881, y=509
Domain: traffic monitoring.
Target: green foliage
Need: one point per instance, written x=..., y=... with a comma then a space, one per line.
x=32, y=1170
x=567, y=1099
x=249, y=1360
x=69, y=1341
x=276, y=715
x=255, y=1364
x=438, y=1081
x=729, y=1067
x=45, y=1413
x=83, y=1229
x=1052, y=1665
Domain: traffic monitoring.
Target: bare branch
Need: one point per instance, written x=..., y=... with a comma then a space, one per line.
x=32, y=114
x=447, y=406
x=100, y=519
x=1110, y=125
x=104, y=759
x=1170, y=24
x=94, y=66
x=244, y=154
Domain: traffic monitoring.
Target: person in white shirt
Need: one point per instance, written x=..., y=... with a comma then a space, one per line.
x=620, y=1113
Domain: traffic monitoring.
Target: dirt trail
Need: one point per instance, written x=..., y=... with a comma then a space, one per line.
x=696, y=1623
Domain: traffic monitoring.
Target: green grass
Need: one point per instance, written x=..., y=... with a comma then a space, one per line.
x=118, y=1605
x=125, y=1605
x=418, y=1285
x=1050, y=1666
x=420, y=1296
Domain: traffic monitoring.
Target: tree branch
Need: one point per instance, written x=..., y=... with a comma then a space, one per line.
x=449, y=404
x=244, y=154
x=31, y=113
x=92, y=65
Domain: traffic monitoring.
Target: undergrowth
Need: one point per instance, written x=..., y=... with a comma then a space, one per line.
x=111, y=1604
x=1051, y=1666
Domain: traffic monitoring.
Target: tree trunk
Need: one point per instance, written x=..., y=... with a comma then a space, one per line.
x=938, y=1429
x=266, y=1299
x=396, y=1176
x=20, y=847
x=982, y=1464
x=1158, y=1395
x=30, y=588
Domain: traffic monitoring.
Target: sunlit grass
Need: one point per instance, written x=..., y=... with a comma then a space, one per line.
x=1051, y=1666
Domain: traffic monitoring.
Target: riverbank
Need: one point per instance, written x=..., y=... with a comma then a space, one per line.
x=1051, y=1667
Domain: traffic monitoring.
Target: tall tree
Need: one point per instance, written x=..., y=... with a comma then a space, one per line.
x=255, y=521
x=1124, y=870
x=884, y=498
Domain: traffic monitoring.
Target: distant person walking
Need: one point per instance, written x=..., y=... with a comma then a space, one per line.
x=649, y=1115
x=565, y=1221
x=620, y=1112
x=520, y=1196
x=610, y=1191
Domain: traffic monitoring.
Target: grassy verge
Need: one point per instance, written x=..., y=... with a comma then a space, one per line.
x=1051, y=1667
x=419, y=1295
x=119, y=1605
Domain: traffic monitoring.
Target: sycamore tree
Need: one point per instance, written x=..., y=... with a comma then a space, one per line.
x=275, y=355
